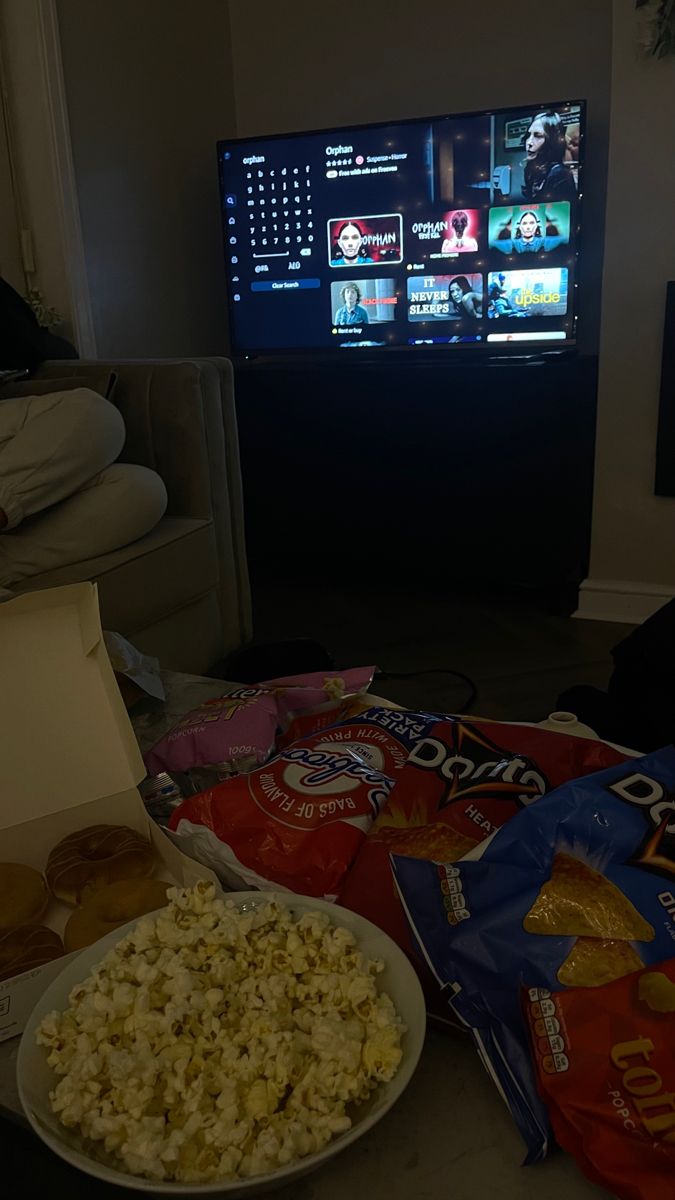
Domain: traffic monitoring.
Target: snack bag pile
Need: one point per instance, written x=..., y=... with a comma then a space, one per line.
x=575, y=891
x=462, y=781
x=605, y=1064
x=298, y=821
x=236, y=732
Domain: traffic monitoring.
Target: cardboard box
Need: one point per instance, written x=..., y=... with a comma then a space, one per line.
x=68, y=756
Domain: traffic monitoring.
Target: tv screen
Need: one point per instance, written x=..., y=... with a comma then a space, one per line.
x=453, y=232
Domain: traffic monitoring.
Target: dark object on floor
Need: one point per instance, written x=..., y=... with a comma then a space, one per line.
x=274, y=660
x=638, y=709
x=23, y=342
x=31, y=1172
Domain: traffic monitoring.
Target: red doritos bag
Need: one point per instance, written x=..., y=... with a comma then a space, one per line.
x=462, y=781
x=605, y=1062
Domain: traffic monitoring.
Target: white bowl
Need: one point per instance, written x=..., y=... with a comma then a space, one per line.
x=36, y=1078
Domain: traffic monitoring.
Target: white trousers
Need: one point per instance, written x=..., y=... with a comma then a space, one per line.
x=64, y=499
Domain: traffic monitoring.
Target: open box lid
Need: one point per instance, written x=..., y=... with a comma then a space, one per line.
x=65, y=737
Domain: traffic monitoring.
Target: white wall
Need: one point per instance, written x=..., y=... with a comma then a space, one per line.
x=311, y=65
x=634, y=531
x=149, y=91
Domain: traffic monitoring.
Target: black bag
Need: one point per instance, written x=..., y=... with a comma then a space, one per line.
x=24, y=344
x=638, y=709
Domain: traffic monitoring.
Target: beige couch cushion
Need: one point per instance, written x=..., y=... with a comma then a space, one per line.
x=162, y=572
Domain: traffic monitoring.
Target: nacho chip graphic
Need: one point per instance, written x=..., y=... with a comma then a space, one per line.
x=578, y=901
x=436, y=841
x=594, y=961
x=657, y=991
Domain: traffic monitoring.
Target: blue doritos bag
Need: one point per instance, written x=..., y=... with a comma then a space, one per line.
x=575, y=890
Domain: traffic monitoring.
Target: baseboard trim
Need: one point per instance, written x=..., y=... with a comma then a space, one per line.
x=627, y=602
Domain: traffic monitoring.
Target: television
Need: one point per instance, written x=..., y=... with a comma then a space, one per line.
x=451, y=233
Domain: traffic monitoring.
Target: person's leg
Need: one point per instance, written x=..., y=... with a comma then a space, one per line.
x=50, y=446
x=118, y=506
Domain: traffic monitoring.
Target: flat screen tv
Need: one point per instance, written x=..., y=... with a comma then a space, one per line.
x=449, y=233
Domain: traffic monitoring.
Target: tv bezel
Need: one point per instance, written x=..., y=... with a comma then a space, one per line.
x=484, y=349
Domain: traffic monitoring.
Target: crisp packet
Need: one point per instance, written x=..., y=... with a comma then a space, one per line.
x=236, y=730
x=478, y=774
x=297, y=693
x=384, y=737
x=313, y=720
x=577, y=889
x=605, y=1065
x=463, y=780
x=296, y=822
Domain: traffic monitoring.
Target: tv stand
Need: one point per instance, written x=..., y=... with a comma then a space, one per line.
x=457, y=471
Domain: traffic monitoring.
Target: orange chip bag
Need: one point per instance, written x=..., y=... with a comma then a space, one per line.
x=605, y=1062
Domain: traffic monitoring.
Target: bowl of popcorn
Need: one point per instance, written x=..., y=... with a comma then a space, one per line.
x=224, y=1044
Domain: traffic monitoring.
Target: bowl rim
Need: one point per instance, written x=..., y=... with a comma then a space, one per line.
x=101, y=1170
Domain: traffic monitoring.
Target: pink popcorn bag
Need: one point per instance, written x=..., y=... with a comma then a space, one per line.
x=237, y=732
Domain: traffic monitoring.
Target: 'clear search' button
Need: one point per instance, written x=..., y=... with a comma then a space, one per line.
x=284, y=285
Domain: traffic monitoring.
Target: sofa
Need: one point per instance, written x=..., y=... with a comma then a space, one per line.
x=182, y=591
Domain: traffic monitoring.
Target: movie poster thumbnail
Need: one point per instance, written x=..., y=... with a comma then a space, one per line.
x=445, y=297
x=355, y=242
x=539, y=293
x=461, y=231
x=454, y=232
x=529, y=229
x=536, y=155
x=362, y=301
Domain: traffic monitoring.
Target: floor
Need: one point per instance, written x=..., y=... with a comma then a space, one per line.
x=449, y=1137
x=519, y=656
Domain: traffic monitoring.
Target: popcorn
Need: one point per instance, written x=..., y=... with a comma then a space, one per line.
x=214, y=1044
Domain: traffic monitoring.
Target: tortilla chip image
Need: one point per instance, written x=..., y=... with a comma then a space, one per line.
x=578, y=901
x=594, y=961
x=437, y=842
x=657, y=991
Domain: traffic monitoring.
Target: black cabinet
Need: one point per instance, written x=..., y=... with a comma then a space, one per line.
x=455, y=471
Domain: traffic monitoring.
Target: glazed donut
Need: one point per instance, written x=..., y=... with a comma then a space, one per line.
x=26, y=947
x=96, y=856
x=23, y=896
x=109, y=907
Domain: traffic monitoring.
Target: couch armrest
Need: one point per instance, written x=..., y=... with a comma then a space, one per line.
x=227, y=493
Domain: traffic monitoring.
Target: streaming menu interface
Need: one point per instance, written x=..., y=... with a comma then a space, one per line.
x=455, y=230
